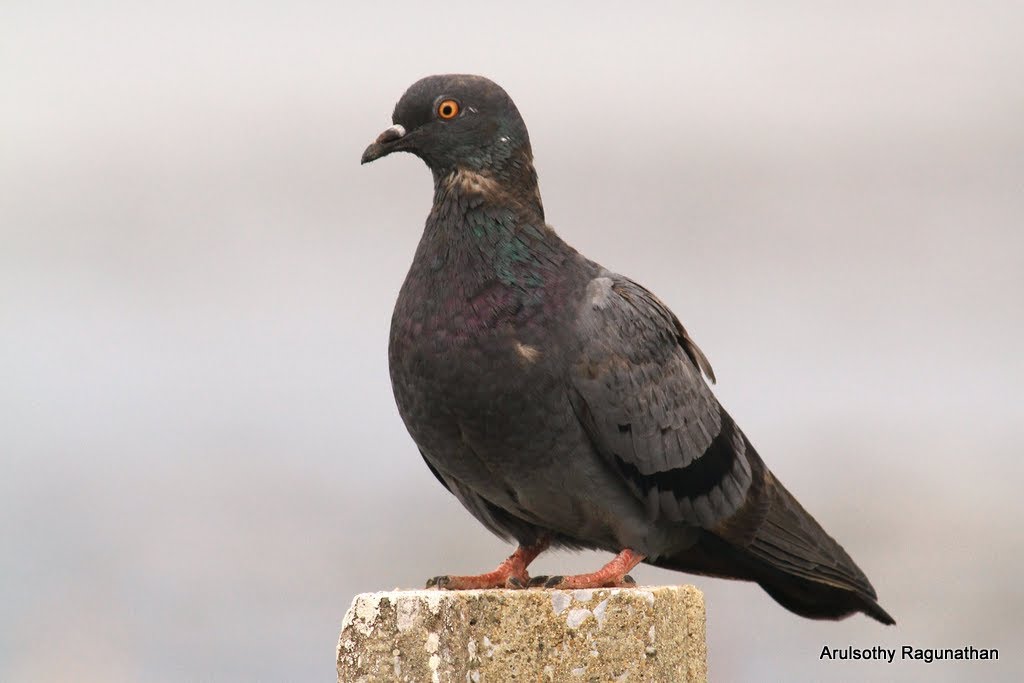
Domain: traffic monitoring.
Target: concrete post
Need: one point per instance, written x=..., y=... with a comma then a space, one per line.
x=491, y=636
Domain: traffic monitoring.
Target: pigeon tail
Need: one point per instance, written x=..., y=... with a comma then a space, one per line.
x=806, y=570
x=776, y=543
x=809, y=598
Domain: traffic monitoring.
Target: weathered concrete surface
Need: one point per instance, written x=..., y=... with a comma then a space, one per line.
x=490, y=636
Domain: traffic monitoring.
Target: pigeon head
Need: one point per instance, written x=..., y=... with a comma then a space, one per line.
x=455, y=121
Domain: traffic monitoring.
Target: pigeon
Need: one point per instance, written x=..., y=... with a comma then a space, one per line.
x=563, y=404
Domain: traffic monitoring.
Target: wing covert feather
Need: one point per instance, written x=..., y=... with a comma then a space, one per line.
x=639, y=392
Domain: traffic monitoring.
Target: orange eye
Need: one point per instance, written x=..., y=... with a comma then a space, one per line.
x=448, y=109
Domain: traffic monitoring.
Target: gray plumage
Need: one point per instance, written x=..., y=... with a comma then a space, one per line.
x=561, y=402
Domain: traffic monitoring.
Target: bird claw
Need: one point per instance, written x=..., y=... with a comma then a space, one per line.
x=627, y=581
x=510, y=574
x=439, y=582
x=612, y=575
x=448, y=582
x=545, y=581
x=484, y=581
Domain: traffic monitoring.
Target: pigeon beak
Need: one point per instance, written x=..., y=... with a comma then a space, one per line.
x=385, y=144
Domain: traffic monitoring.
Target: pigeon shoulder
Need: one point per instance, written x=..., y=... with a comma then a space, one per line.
x=627, y=315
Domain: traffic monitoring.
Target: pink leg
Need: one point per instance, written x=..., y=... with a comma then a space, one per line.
x=510, y=574
x=612, y=575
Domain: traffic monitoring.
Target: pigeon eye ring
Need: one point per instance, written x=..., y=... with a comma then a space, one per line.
x=448, y=109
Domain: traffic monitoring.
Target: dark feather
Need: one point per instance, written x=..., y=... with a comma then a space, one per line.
x=562, y=403
x=630, y=382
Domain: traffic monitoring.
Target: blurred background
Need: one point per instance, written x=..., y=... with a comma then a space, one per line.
x=201, y=459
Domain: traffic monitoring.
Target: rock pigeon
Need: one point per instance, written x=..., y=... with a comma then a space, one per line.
x=565, y=405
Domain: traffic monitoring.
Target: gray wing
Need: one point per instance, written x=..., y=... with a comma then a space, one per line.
x=639, y=393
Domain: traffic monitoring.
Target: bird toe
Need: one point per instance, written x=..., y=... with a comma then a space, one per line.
x=439, y=582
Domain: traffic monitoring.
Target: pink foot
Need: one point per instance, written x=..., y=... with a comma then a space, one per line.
x=510, y=574
x=615, y=574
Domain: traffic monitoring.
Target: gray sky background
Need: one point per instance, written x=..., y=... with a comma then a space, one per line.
x=201, y=458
